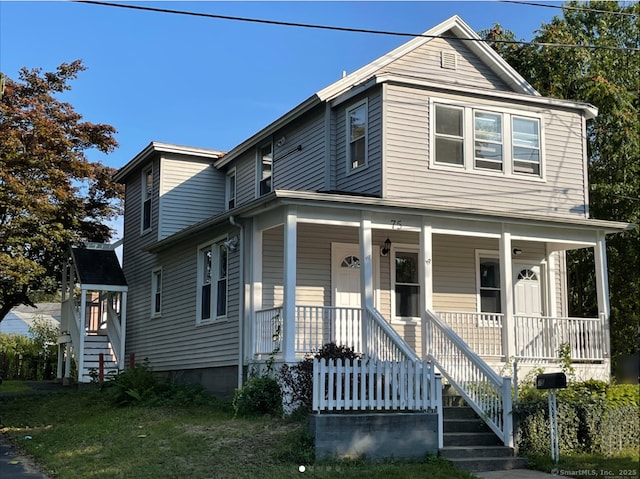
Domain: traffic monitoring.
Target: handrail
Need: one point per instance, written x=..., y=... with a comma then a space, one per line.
x=114, y=333
x=487, y=393
x=388, y=345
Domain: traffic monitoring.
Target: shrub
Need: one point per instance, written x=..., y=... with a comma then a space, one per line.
x=593, y=417
x=259, y=395
x=297, y=380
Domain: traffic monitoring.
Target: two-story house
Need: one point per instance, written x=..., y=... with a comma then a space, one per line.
x=431, y=190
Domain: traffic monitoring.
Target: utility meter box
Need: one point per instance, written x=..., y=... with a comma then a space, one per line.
x=551, y=381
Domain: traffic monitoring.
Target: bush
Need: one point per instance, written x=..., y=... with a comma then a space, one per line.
x=260, y=395
x=593, y=417
x=297, y=381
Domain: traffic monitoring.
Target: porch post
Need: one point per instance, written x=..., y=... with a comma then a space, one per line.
x=602, y=287
x=552, y=305
x=425, y=265
x=123, y=330
x=289, y=306
x=82, y=331
x=366, y=274
x=506, y=288
x=256, y=283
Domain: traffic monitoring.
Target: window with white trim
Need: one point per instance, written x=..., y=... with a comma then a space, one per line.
x=156, y=292
x=489, y=293
x=147, y=192
x=213, y=263
x=230, y=194
x=265, y=169
x=357, y=136
x=476, y=139
x=406, y=284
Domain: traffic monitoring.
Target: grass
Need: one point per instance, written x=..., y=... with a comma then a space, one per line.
x=14, y=387
x=624, y=465
x=79, y=434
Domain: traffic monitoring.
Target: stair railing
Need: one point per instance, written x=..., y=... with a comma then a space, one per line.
x=114, y=332
x=486, y=392
x=384, y=342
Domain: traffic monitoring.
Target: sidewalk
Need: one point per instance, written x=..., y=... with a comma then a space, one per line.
x=15, y=466
x=514, y=474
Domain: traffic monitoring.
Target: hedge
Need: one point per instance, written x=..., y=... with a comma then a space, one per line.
x=593, y=417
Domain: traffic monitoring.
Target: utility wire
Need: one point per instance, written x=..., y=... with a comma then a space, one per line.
x=569, y=7
x=349, y=29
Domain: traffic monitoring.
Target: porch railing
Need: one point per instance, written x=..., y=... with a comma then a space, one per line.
x=481, y=331
x=384, y=342
x=485, y=391
x=363, y=384
x=319, y=325
x=267, y=335
x=541, y=337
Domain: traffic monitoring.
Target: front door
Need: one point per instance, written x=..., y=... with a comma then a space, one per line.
x=527, y=290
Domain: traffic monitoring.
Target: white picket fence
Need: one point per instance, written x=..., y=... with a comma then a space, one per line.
x=367, y=384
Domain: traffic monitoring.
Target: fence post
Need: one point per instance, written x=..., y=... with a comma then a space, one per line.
x=439, y=409
x=132, y=360
x=101, y=368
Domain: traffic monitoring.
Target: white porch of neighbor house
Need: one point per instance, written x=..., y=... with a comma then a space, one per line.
x=300, y=302
x=93, y=317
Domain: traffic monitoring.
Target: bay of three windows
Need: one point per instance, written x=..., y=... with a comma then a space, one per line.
x=479, y=139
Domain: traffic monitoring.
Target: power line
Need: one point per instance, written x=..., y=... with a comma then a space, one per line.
x=569, y=7
x=349, y=29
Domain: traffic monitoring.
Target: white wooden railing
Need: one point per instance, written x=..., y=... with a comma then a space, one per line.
x=267, y=335
x=114, y=331
x=70, y=321
x=369, y=384
x=481, y=331
x=485, y=391
x=540, y=337
x=319, y=325
x=383, y=342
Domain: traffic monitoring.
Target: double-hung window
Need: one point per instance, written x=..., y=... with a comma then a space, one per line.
x=156, y=292
x=490, y=300
x=147, y=191
x=231, y=189
x=265, y=169
x=357, y=136
x=498, y=142
x=407, y=285
x=213, y=264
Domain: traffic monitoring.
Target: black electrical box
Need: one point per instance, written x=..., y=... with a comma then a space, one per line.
x=551, y=381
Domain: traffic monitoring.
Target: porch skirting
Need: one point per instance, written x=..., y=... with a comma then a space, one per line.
x=375, y=436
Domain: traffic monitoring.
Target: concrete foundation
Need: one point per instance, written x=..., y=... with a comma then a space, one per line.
x=375, y=436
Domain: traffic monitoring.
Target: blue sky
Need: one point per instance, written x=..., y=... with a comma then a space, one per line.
x=213, y=83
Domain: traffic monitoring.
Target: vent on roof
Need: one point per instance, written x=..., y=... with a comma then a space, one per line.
x=448, y=60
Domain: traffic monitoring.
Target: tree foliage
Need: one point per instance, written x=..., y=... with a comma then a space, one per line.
x=608, y=78
x=51, y=195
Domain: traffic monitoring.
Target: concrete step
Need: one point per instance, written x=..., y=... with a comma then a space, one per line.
x=481, y=464
x=459, y=412
x=465, y=425
x=464, y=452
x=471, y=439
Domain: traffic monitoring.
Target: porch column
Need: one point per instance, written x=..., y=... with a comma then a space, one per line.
x=552, y=305
x=289, y=306
x=59, y=370
x=366, y=274
x=425, y=265
x=256, y=283
x=82, y=333
x=506, y=288
x=602, y=287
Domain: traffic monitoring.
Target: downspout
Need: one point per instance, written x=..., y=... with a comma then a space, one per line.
x=241, y=304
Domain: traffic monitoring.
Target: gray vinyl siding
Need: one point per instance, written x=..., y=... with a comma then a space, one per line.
x=191, y=190
x=368, y=179
x=304, y=169
x=424, y=62
x=410, y=176
x=246, y=171
x=174, y=341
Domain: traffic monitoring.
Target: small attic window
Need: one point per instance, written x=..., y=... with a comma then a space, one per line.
x=448, y=60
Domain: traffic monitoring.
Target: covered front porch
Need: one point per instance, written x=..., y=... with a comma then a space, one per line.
x=372, y=278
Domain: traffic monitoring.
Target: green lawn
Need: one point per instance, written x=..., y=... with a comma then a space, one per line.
x=78, y=434
x=14, y=387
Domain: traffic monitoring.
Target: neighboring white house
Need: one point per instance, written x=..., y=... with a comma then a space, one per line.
x=421, y=203
x=21, y=318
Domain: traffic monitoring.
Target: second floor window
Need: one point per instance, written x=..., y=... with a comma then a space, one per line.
x=492, y=141
x=489, y=285
x=231, y=189
x=156, y=292
x=147, y=192
x=357, y=136
x=265, y=168
x=212, y=282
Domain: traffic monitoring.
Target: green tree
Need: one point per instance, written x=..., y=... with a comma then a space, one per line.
x=51, y=195
x=607, y=76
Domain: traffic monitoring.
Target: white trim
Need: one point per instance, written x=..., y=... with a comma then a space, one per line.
x=349, y=168
x=155, y=272
x=289, y=283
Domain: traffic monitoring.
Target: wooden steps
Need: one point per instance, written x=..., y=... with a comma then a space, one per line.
x=94, y=345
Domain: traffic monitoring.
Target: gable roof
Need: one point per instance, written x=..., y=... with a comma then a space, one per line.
x=453, y=26
x=98, y=267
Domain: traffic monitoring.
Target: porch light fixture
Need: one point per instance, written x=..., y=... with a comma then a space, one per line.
x=281, y=141
x=517, y=251
x=386, y=248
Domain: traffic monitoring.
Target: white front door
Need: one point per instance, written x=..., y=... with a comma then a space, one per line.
x=527, y=290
